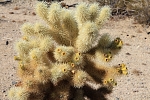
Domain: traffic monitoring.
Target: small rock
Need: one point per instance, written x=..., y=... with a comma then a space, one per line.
x=135, y=91
x=128, y=44
x=128, y=53
x=139, y=31
x=16, y=8
x=143, y=64
x=3, y=91
x=25, y=13
x=3, y=16
x=136, y=72
x=13, y=82
x=117, y=98
x=13, y=21
x=7, y=42
x=33, y=13
x=148, y=32
x=132, y=36
x=11, y=12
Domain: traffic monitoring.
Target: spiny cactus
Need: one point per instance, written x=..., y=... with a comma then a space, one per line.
x=66, y=55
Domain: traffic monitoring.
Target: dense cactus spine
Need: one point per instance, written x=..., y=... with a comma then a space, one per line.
x=27, y=29
x=87, y=37
x=69, y=56
x=60, y=72
x=42, y=74
x=42, y=11
x=82, y=14
x=54, y=16
x=18, y=93
x=79, y=78
x=94, y=11
x=104, y=14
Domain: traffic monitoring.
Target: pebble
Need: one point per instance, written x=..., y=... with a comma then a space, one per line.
x=135, y=91
x=25, y=13
x=3, y=91
x=33, y=13
x=117, y=98
x=139, y=31
x=14, y=82
x=133, y=36
x=11, y=12
x=3, y=17
x=13, y=21
x=7, y=42
x=128, y=53
x=143, y=64
x=128, y=44
x=16, y=8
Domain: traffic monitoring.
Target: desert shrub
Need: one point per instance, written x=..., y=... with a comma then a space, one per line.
x=139, y=9
x=67, y=58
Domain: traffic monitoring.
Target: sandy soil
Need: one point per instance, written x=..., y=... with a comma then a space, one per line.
x=135, y=53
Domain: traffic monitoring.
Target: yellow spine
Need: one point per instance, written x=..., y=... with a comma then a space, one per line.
x=27, y=29
x=69, y=25
x=60, y=72
x=23, y=48
x=103, y=16
x=103, y=55
x=82, y=14
x=41, y=30
x=47, y=44
x=42, y=74
x=42, y=10
x=18, y=93
x=63, y=53
x=94, y=11
x=79, y=78
x=87, y=38
x=54, y=14
x=31, y=84
x=77, y=59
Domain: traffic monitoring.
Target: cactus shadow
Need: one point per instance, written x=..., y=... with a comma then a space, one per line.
x=99, y=94
x=91, y=94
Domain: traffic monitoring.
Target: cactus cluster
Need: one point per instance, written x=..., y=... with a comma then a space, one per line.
x=66, y=55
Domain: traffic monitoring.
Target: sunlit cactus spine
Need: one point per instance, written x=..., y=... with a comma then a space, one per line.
x=64, y=57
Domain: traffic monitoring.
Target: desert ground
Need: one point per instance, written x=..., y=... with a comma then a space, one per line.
x=135, y=52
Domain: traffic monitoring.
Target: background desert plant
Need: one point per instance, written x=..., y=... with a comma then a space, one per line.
x=139, y=9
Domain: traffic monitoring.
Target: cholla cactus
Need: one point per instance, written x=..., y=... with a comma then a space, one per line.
x=65, y=54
